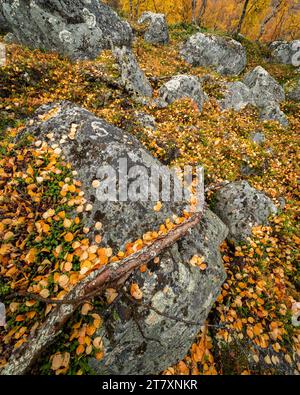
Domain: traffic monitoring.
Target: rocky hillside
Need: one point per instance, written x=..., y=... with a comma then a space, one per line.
x=134, y=286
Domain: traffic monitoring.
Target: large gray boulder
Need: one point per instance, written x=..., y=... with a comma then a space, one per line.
x=157, y=30
x=226, y=56
x=267, y=94
x=132, y=76
x=258, y=89
x=181, y=86
x=264, y=88
x=152, y=343
x=242, y=207
x=286, y=52
x=78, y=29
x=137, y=339
x=236, y=96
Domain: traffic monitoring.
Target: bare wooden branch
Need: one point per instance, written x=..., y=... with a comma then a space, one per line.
x=111, y=276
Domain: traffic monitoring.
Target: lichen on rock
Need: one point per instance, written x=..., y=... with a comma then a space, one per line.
x=77, y=29
x=157, y=30
x=242, y=207
x=224, y=55
x=136, y=338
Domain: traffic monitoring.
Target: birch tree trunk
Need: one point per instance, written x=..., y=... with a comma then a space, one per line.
x=194, y=6
x=242, y=18
x=201, y=12
x=268, y=18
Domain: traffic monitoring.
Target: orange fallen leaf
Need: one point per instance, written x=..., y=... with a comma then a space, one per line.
x=136, y=292
x=110, y=295
x=69, y=237
x=63, y=280
x=80, y=349
x=86, y=308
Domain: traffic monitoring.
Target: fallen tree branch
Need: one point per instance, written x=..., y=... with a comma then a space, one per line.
x=112, y=276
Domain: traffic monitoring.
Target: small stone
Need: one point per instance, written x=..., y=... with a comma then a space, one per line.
x=2, y=315
x=272, y=112
x=157, y=31
x=258, y=138
x=145, y=120
x=237, y=96
x=264, y=88
x=181, y=86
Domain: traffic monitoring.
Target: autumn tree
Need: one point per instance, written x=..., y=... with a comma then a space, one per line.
x=262, y=20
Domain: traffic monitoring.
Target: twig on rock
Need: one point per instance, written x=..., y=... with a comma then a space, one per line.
x=111, y=276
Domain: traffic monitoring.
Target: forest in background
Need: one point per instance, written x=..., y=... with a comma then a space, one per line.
x=264, y=20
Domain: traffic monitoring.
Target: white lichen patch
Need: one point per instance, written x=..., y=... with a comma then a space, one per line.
x=98, y=129
x=15, y=4
x=89, y=18
x=65, y=36
x=208, y=302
